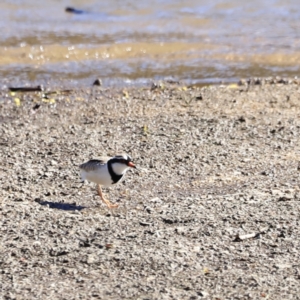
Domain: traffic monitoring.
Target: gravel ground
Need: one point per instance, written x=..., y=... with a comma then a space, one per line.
x=212, y=212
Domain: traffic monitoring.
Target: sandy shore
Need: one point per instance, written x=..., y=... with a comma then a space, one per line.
x=212, y=213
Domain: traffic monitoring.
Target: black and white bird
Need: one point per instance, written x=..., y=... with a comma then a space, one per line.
x=106, y=171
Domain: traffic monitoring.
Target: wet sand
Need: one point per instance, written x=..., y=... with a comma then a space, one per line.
x=213, y=211
x=134, y=43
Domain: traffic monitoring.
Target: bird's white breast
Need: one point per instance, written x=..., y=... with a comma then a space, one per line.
x=118, y=168
x=100, y=175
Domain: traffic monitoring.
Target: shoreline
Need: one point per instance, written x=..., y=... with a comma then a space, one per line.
x=144, y=83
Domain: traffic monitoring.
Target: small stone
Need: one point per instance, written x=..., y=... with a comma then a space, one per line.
x=156, y=199
x=283, y=266
x=53, y=162
x=203, y=294
x=91, y=259
x=180, y=230
x=97, y=82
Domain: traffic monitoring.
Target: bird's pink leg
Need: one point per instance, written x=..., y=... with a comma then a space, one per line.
x=107, y=202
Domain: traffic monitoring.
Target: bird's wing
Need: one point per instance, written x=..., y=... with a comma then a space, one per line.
x=94, y=164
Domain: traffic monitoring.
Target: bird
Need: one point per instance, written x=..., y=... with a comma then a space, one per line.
x=106, y=171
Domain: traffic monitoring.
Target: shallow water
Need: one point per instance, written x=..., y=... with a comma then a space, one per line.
x=132, y=42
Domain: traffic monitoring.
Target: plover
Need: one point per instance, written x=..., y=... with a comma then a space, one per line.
x=106, y=171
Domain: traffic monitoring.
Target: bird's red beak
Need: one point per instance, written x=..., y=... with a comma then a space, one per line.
x=131, y=164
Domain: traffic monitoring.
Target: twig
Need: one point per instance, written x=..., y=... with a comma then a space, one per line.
x=239, y=237
x=38, y=88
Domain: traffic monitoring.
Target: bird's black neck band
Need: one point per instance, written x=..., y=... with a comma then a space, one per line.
x=115, y=177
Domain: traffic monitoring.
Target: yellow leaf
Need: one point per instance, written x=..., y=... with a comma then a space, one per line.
x=145, y=129
x=17, y=101
x=12, y=93
x=52, y=101
x=233, y=86
x=184, y=88
x=125, y=94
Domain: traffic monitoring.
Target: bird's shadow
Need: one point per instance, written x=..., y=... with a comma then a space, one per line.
x=61, y=206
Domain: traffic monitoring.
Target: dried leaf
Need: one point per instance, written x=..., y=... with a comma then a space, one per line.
x=125, y=94
x=233, y=86
x=206, y=271
x=145, y=129
x=17, y=101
